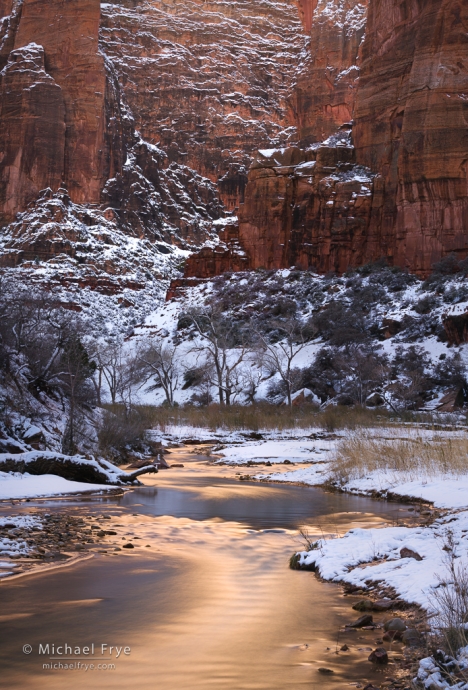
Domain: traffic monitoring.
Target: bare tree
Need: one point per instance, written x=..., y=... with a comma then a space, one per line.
x=222, y=350
x=252, y=375
x=118, y=368
x=364, y=370
x=279, y=356
x=76, y=369
x=159, y=360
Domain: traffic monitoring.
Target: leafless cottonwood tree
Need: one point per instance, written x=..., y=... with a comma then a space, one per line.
x=251, y=375
x=76, y=370
x=364, y=370
x=279, y=356
x=159, y=360
x=222, y=350
x=118, y=368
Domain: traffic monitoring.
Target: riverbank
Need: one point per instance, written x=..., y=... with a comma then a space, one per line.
x=399, y=564
x=422, y=566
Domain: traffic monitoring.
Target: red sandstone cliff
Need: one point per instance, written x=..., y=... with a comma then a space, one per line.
x=52, y=108
x=211, y=82
x=399, y=188
x=208, y=82
x=325, y=90
x=411, y=127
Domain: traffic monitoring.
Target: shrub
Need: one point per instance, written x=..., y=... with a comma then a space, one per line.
x=122, y=430
x=426, y=304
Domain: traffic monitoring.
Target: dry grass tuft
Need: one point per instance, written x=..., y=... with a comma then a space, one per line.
x=264, y=416
x=401, y=450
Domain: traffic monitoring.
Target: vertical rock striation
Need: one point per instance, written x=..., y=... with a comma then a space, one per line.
x=52, y=107
x=325, y=91
x=208, y=82
x=398, y=189
x=411, y=127
x=32, y=134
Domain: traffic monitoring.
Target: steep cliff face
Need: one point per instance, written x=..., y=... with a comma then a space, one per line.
x=325, y=91
x=309, y=205
x=64, y=123
x=208, y=82
x=411, y=126
x=303, y=208
x=399, y=188
x=32, y=135
x=53, y=105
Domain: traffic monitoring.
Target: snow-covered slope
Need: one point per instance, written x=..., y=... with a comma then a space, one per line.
x=387, y=314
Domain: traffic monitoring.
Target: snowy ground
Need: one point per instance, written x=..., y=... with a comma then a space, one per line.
x=275, y=451
x=33, y=486
x=15, y=545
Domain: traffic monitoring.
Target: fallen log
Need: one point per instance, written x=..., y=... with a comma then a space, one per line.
x=73, y=467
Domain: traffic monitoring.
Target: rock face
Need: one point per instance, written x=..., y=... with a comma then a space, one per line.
x=325, y=91
x=208, y=82
x=411, y=127
x=32, y=135
x=302, y=208
x=398, y=189
x=53, y=105
x=153, y=111
x=64, y=124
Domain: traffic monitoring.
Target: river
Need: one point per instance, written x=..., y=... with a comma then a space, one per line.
x=205, y=601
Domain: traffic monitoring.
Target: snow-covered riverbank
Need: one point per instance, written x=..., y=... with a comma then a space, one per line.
x=411, y=560
x=414, y=562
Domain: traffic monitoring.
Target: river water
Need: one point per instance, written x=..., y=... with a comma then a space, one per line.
x=206, y=600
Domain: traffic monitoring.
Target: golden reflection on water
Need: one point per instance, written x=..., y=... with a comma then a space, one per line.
x=210, y=605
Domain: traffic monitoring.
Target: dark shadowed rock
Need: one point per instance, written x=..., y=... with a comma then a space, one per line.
x=379, y=656
x=409, y=553
x=365, y=620
x=364, y=605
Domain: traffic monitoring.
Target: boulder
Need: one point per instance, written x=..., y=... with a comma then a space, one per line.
x=396, y=624
x=409, y=553
x=383, y=604
x=411, y=637
x=452, y=400
x=364, y=605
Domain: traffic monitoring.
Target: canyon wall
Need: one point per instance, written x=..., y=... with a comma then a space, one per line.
x=52, y=105
x=325, y=88
x=154, y=111
x=398, y=188
x=412, y=127
x=208, y=82
x=65, y=124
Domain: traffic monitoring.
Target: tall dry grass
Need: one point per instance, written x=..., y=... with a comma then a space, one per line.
x=409, y=451
x=264, y=416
